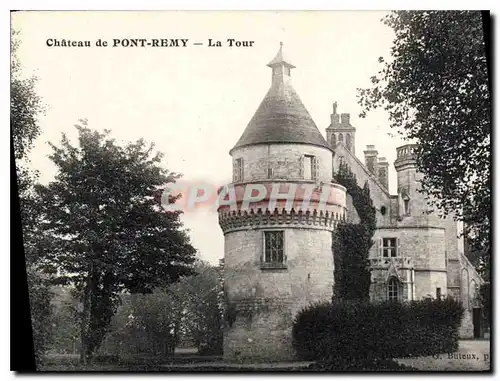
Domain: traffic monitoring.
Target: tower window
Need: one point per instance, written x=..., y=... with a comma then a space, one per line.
x=238, y=170
x=334, y=140
x=274, y=249
x=341, y=138
x=307, y=167
x=348, y=141
x=311, y=167
x=393, y=290
x=407, y=206
x=389, y=247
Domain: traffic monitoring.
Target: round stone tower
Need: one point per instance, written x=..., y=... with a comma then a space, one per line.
x=278, y=229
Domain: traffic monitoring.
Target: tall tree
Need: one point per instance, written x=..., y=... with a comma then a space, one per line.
x=25, y=108
x=436, y=91
x=108, y=233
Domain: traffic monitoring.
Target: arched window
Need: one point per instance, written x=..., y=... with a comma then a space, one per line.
x=393, y=290
x=341, y=138
x=334, y=140
x=348, y=141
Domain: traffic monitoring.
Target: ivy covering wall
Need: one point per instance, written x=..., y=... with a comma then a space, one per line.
x=352, y=242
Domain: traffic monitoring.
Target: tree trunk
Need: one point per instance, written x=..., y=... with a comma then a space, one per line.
x=85, y=319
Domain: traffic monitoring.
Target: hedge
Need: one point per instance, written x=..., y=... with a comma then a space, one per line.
x=354, y=330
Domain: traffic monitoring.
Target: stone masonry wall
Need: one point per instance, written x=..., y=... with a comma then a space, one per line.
x=426, y=246
x=265, y=301
x=283, y=159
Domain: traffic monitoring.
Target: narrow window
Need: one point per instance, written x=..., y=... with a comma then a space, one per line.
x=308, y=167
x=438, y=293
x=238, y=170
x=314, y=168
x=269, y=173
x=407, y=205
x=334, y=140
x=348, y=141
x=341, y=138
x=393, y=290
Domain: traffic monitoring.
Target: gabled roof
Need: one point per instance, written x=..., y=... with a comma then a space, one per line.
x=281, y=116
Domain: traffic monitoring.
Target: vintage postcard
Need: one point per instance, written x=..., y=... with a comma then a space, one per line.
x=293, y=191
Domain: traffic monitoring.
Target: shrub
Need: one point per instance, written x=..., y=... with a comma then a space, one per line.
x=361, y=331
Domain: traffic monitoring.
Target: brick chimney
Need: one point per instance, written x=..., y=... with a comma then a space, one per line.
x=345, y=119
x=383, y=172
x=371, y=159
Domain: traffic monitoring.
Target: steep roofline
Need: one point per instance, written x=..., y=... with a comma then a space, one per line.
x=281, y=116
x=371, y=175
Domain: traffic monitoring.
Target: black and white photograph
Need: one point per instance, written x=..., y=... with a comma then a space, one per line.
x=251, y=191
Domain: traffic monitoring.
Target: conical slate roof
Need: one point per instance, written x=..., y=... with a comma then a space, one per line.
x=281, y=116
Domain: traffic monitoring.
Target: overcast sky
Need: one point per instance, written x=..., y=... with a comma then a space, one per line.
x=195, y=102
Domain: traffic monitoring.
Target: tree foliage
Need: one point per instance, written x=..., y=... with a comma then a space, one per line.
x=25, y=107
x=485, y=299
x=64, y=321
x=352, y=242
x=202, y=319
x=436, y=91
x=107, y=232
x=184, y=313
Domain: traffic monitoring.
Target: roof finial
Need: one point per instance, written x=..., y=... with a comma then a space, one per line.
x=280, y=59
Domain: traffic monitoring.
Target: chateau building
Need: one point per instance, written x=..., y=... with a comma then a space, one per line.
x=416, y=255
x=278, y=249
